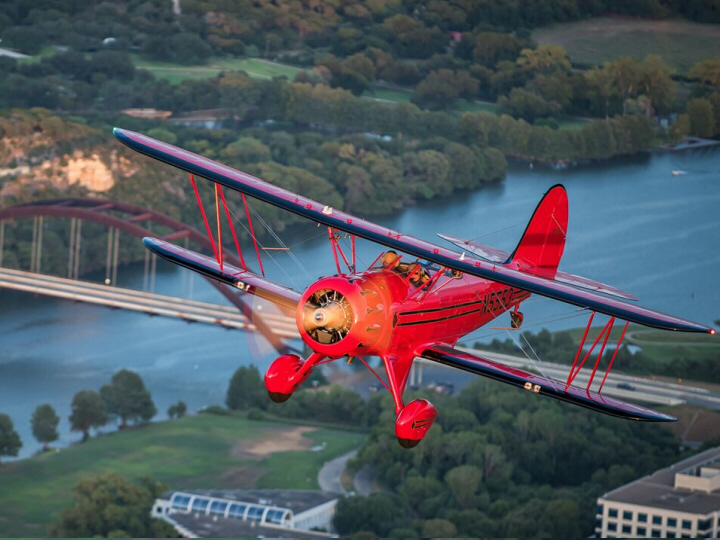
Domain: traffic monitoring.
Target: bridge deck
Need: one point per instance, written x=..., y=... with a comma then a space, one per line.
x=150, y=303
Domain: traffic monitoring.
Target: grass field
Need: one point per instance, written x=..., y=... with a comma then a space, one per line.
x=694, y=424
x=400, y=95
x=659, y=345
x=680, y=43
x=255, y=67
x=195, y=452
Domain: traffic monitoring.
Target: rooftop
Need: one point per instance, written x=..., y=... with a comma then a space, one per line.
x=686, y=486
x=212, y=527
x=296, y=500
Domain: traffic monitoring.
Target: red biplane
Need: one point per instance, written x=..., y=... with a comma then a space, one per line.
x=400, y=309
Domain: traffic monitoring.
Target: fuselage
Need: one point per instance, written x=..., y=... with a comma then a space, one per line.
x=380, y=312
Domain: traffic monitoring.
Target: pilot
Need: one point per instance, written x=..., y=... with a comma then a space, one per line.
x=418, y=275
x=389, y=260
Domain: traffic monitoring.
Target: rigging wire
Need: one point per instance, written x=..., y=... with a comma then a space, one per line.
x=546, y=320
x=496, y=232
x=278, y=240
x=539, y=365
x=268, y=253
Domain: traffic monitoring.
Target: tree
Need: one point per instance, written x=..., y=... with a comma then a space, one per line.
x=702, y=117
x=162, y=134
x=523, y=104
x=239, y=92
x=10, y=442
x=111, y=506
x=246, y=389
x=441, y=87
x=181, y=409
x=189, y=48
x=127, y=398
x=379, y=513
x=544, y=59
x=26, y=39
x=178, y=410
x=628, y=78
x=492, y=47
x=44, y=425
x=561, y=519
x=428, y=171
x=680, y=128
x=439, y=528
x=88, y=411
x=247, y=150
x=707, y=71
x=464, y=482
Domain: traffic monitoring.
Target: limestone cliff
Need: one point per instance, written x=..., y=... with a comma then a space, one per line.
x=38, y=148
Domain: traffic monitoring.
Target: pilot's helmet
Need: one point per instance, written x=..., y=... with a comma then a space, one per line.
x=389, y=259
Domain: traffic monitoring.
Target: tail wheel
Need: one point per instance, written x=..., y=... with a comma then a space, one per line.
x=516, y=319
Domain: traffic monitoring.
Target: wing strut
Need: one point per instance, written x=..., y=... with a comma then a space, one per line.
x=617, y=348
x=205, y=219
x=605, y=336
x=252, y=233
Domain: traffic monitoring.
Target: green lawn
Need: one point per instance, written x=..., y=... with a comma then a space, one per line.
x=464, y=105
x=195, y=452
x=397, y=95
x=572, y=122
x=401, y=95
x=255, y=67
x=680, y=43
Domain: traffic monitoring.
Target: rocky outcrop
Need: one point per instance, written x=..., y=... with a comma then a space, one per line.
x=37, y=148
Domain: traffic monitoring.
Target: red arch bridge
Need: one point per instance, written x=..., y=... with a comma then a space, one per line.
x=244, y=313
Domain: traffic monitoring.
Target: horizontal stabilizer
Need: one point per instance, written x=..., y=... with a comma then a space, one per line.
x=542, y=385
x=482, y=251
x=242, y=280
x=499, y=256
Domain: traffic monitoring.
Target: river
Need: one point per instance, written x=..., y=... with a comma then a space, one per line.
x=632, y=224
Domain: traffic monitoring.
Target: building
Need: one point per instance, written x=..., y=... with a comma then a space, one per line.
x=681, y=501
x=261, y=513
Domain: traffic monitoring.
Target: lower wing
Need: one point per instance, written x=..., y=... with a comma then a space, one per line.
x=542, y=385
x=242, y=280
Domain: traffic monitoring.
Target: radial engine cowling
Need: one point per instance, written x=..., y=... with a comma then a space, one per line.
x=340, y=316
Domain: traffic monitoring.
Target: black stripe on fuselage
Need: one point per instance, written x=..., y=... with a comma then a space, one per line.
x=489, y=304
x=484, y=300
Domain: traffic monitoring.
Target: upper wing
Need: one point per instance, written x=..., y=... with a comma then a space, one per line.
x=499, y=256
x=236, y=277
x=315, y=211
x=542, y=385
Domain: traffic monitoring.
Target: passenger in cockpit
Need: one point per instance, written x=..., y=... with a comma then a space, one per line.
x=418, y=274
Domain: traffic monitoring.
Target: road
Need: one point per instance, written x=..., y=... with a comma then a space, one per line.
x=12, y=54
x=145, y=302
x=330, y=474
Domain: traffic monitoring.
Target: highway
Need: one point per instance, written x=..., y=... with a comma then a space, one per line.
x=150, y=303
x=645, y=389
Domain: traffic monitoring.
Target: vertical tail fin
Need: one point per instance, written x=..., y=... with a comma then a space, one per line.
x=542, y=244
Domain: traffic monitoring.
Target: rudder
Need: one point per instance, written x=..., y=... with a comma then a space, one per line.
x=543, y=242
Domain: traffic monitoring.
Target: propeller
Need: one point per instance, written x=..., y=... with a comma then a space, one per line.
x=327, y=316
